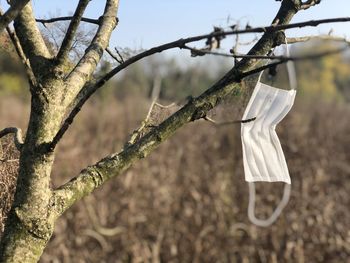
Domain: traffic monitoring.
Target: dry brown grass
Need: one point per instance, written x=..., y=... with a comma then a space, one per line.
x=8, y=175
x=12, y=111
x=187, y=202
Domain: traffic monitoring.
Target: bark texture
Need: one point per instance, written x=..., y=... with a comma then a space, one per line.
x=32, y=217
x=12, y=13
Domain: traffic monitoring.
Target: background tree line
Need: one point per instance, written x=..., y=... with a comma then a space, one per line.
x=327, y=77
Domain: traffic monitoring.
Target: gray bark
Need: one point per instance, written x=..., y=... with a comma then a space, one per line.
x=12, y=13
x=32, y=217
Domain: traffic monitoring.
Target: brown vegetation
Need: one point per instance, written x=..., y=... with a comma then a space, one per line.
x=187, y=202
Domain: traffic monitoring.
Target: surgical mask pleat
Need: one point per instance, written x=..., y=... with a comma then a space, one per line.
x=266, y=143
x=256, y=169
x=288, y=105
x=264, y=155
x=261, y=133
x=255, y=105
x=282, y=161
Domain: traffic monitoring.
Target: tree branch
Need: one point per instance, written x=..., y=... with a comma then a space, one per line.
x=13, y=11
x=87, y=64
x=20, y=53
x=228, y=122
x=71, y=31
x=90, y=89
x=95, y=175
x=112, y=165
x=67, y=18
x=22, y=56
x=18, y=139
x=183, y=41
x=32, y=42
x=309, y=3
x=201, y=52
x=118, y=58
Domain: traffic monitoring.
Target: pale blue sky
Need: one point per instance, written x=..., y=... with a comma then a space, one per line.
x=152, y=22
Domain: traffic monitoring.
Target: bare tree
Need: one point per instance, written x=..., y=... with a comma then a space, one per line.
x=59, y=90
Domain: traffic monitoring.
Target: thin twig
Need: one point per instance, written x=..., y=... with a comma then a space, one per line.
x=201, y=52
x=119, y=54
x=235, y=47
x=66, y=18
x=145, y=123
x=25, y=61
x=228, y=122
x=110, y=52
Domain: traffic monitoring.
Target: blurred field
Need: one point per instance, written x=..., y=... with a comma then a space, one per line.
x=187, y=202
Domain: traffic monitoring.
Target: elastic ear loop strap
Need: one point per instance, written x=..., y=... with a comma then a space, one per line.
x=269, y=221
x=292, y=76
x=287, y=187
x=290, y=70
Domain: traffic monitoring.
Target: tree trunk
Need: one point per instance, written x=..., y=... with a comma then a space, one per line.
x=20, y=245
x=31, y=220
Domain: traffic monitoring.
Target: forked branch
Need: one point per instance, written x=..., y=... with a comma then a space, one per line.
x=71, y=31
x=88, y=63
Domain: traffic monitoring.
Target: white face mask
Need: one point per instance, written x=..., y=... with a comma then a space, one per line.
x=263, y=157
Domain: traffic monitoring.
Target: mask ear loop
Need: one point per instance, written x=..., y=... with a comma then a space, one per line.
x=269, y=221
x=287, y=187
x=291, y=69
